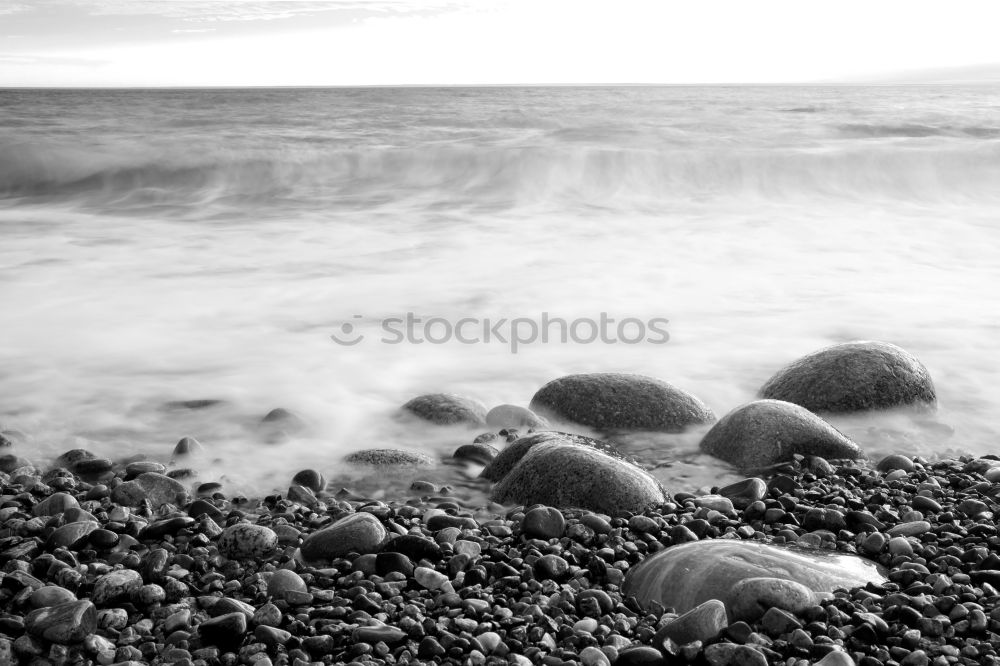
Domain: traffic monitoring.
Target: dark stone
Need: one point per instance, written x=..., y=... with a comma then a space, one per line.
x=767, y=432
x=311, y=479
x=544, y=522
x=416, y=547
x=510, y=456
x=64, y=623
x=188, y=446
x=851, y=377
x=225, y=631
x=478, y=453
x=620, y=402
x=358, y=533
x=564, y=475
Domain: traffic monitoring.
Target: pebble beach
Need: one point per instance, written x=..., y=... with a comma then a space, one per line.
x=127, y=561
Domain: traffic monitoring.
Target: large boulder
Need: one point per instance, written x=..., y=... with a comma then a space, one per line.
x=562, y=475
x=447, y=409
x=611, y=401
x=689, y=574
x=851, y=377
x=766, y=432
x=389, y=458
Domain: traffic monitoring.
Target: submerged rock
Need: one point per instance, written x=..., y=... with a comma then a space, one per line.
x=561, y=474
x=389, y=458
x=851, y=377
x=447, y=409
x=689, y=574
x=514, y=416
x=620, y=402
x=767, y=432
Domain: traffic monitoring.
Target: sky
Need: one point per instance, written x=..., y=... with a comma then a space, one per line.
x=411, y=42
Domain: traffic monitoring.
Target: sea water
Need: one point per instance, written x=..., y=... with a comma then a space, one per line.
x=170, y=245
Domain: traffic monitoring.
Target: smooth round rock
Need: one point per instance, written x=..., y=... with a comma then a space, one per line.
x=55, y=504
x=744, y=493
x=246, y=541
x=225, y=631
x=389, y=458
x=116, y=586
x=511, y=455
x=447, y=409
x=688, y=574
x=65, y=623
x=311, y=479
x=752, y=597
x=564, y=475
x=188, y=446
x=481, y=453
x=852, y=377
x=514, y=416
x=360, y=533
x=702, y=623
x=544, y=522
x=50, y=595
x=283, y=581
x=893, y=462
x=157, y=488
x=767, y=432
x=71, y=535
x=620, y=402
x=640, y=655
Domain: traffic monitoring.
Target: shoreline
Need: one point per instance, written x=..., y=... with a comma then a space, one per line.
x=88, y=579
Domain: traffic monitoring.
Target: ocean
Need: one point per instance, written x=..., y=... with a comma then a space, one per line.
x=168, y=245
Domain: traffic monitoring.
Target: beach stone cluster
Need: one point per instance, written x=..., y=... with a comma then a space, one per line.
x=442, y=579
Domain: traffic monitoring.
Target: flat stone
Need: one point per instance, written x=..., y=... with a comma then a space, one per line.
x=564, y=475
x=65, y=623
x=620, y=402
x=357, y=533
x=851, y=377
x=447, y=409
x=702, y=623
x=389, y=458
x=688, y=574
x=246, y=541
x=767, y=432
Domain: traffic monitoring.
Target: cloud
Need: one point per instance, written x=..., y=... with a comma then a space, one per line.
x=250, y=10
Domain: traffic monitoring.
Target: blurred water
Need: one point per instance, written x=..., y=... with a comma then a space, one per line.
x=172, y=245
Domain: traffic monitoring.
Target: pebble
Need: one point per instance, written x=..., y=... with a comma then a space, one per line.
x=702, y=623
x=244, y=541
x=544, y=522
x=116, y=586
x=64, y=623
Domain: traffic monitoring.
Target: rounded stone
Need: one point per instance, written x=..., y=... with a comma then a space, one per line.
x=744, y=493
x=640, y=655
x=64, y=623
x=514, y=416
x=702, y=623
x=481, y=453
x=116, y=586
x=72, y=535
x=188, y=446
x=564, y=475
x=246, y=541
x=157, y=488
x=851, y=377
x=50, y=595
x=510, y=456
x=688, y=574
x=283, y=581
x=544, y=522
x=311, y=479
x=620, y=402
x=893, y=462
x=55, y=504
x=360, y=533
x=447, y=409
x=551, y=567
x=389, y=458
x=752, y=597
x=767, y=432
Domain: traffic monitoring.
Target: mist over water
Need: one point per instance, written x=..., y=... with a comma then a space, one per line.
x=158, y=246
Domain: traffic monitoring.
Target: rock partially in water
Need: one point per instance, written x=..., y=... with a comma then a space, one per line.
x=311, y=479
x=193, y=405
x=612, y=401
x=188, y=446
x=156, y=488
x=514, y=416
x=766, y=432
x=446, y=409
x=389, y=458
x=562, y=475
x=510, y=456
x=477, y=452
x=853, y=376
x=360, y=533
x=688, y=574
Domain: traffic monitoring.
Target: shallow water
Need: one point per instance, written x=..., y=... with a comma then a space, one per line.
x=174, y=245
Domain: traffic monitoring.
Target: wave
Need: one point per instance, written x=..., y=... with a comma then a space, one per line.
x=918, y=131
x=463, y=174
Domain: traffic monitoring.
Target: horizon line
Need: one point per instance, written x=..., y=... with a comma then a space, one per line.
x=831, y=84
